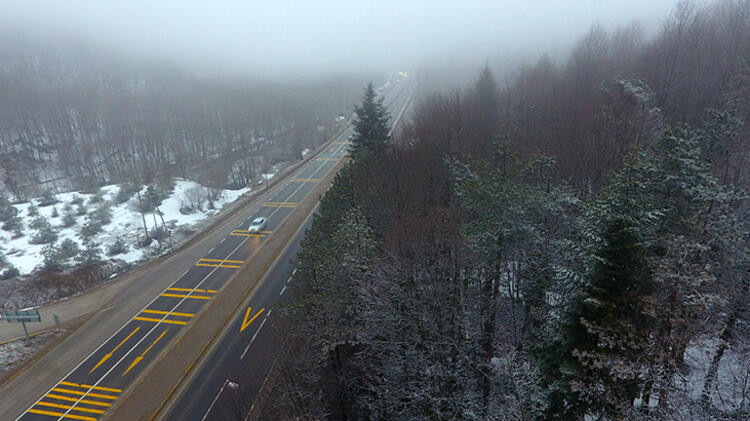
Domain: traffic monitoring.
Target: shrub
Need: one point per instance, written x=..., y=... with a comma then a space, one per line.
x=54, y=212
x=81, y=209
x=118, y=247
x=32, y=209
x=102, y=215
x=76, y=200
x=45, y=234
x=7, y=210
x=68, y=218
x=38, y=222
x=126, y=191
x=47, y=199
x=14, y=223
x=9, y=272
x=97, y=197
x=89, y=231
x=68, y=250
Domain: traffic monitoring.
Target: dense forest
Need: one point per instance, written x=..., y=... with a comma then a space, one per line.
x=571, y=243
x=73, y=116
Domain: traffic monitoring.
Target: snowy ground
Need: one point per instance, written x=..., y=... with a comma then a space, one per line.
x=13, y=354
x=126, y=223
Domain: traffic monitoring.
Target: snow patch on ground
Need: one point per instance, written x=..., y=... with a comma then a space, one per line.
x=13, y=354
x=126, y=223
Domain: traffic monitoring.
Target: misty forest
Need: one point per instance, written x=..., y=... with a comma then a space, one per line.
x=565, y=237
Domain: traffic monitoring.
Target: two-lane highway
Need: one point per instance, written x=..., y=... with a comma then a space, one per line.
x=89, y=390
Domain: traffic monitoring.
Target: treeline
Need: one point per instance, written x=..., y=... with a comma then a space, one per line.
x=588, y=260
x=74, y=118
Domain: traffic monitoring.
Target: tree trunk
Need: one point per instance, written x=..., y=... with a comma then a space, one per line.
x=713, y=369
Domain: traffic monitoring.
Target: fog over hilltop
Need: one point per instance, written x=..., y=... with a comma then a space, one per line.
x=281, y=39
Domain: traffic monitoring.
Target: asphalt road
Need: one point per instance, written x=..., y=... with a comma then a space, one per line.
x=230, y=377
x=93, y=386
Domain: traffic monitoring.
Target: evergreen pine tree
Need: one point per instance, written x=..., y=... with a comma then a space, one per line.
x=32, y=209
x=371, y=125
x=609, y=327
x=68, y=216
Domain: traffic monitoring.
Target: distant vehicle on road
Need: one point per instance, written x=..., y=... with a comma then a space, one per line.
x=257, y=225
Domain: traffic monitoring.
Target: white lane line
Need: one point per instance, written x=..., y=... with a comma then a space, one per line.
x=212, y=249
x=287, y=282
x=256, y=334
x=157, y=324
x=215, y=399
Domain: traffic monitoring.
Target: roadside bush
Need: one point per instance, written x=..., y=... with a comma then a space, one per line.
x=193, y=200
x=76, y=200
x=68, y=250
x=118, y=247
x=57, y=256
x=81, y=209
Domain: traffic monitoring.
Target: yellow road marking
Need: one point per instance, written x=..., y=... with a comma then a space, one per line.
x=77, y=408
x=60, y=414
x=244, y=234
x=280, y=204
x=88, y=386
x=75, y=392
x=195, y=297
x=171, y=322
x=140, y=357
x=246, y=231
x=210, y=291
x=222, y=261
x=171, y=314
x=214, y=265
x=86, y=401
x=326, y=159
x=245, y=322
x=109, y=355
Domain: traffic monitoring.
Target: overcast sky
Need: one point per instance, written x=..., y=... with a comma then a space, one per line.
x=317, y=36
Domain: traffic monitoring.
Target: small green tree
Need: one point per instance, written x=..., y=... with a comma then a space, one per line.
x=102, y=215
x=119, y=246
x=32, y=210
x=81, y=209
x=68, y=250
x=7, y=210
x=68, y=216
x=45, y=233
x=90, y=252
x=15, y=224
x=48, y=199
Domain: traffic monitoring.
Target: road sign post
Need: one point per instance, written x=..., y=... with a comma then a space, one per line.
x=22, y=316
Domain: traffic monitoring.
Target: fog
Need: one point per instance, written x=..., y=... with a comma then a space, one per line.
x=299, y=38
